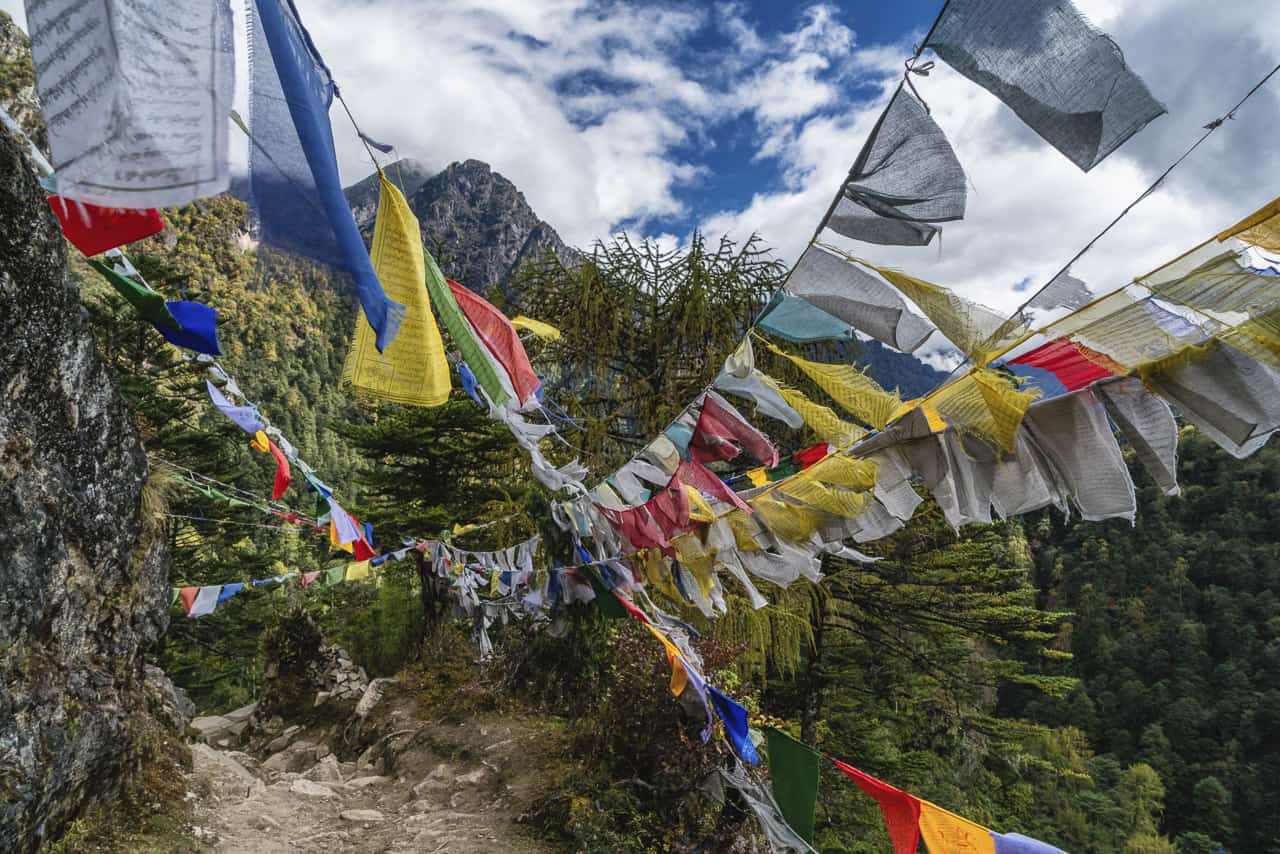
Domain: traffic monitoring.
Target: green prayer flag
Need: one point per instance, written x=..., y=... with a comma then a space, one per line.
x=610, y=607
x=473, y=352
x=335, y=576
x=780, y=471
x=174, y=600
x=149, y=304
x=793, y=765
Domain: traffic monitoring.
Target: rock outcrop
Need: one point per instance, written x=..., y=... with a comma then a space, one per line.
x=478, y=222
x=84, y=574
x=484, y=223
x=18, y=82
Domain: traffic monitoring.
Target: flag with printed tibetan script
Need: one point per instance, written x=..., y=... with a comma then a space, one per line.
x=413, y=368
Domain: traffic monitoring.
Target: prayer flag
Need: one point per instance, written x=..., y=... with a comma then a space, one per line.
x=149, y=304
x=1065, y=79
x=229, y=590
x=283, y=478
x=357, y=571
x=901, y=811
x=94, y=229
x=413, y=368
x=1074, y=364
x=135, y=97
x=199, y=330
x=308, y=577
x=293, y=174
x=464, y=337
x=734, y=717
x=793, y=767
x=497, y=333
x=537, y=327
x=245, y=417
x=1016, y=843
x=188, y=597
x=334, y=575
x=947, y=833
x=206, y=600
x=905, y=178
x=679, y=675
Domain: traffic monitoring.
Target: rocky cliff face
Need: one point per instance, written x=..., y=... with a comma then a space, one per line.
x=18, y=81
x=83, y=573
x=480, y=220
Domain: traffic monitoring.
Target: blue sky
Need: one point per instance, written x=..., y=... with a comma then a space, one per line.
x=741, y=117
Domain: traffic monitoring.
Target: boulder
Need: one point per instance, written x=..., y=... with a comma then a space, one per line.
x=324, y=771
x=309, y=789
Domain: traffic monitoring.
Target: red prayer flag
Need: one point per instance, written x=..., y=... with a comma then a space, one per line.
x=308, y=577
x=1075, y=365
x=809, y=456
x=501, y=338
x=631, y=608
x=718, y=423
x=188, y=597
x=283, y=477
x=901, y=811
x=703, y=479
x=93, y=229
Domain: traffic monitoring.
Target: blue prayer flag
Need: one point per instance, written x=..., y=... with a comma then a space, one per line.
x=297, y=194
x=735, y=725
x=199, y=324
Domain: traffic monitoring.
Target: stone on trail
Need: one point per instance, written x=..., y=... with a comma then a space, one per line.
x=362, y=782
x=308, y=789
x=361, y=815
x=324, y=771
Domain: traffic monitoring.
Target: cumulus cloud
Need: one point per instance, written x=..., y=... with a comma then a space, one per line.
x=606, y=114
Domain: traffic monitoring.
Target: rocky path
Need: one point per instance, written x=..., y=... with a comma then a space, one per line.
x=436, y=788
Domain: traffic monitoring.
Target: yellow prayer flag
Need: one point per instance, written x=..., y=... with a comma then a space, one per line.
x=947, y=833
x=537, y=327
x=679, y=676
x=413, y=368
x=1261, y=228
x=356, y=571
x=260, y=442
x=853, y=389
x=699, y=509
x=758, y=477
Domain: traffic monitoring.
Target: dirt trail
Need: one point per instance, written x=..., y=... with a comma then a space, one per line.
x=424, y=787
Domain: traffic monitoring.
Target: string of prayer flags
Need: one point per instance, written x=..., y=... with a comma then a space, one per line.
x=905, y=179
x=841, y=289
x=94, y=229
x=474, y=355
x=244, y=417
x=293, y=171
x=149, y=304
x=411, y=369
x=501, y=338
x=540, y=329
x=793, y=769
x=1065, y=79
x=135, y=97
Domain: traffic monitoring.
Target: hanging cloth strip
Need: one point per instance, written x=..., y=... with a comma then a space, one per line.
x=412, y=369
x=135, y=98
x=296, y=192
x=1065, y=79
x=905, y=178
x=501, y=338
x=94, y=229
